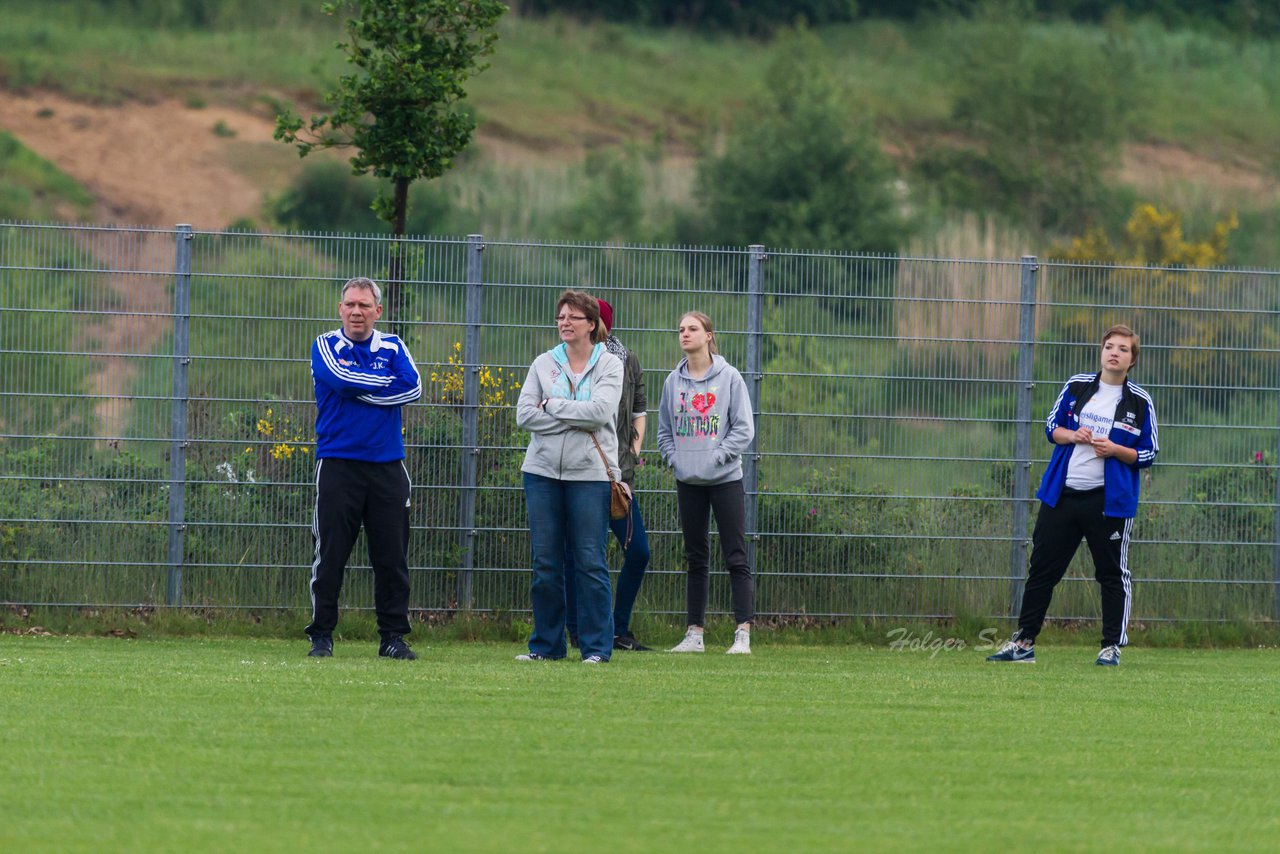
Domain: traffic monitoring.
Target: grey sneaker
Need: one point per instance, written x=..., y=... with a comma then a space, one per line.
x=1109, y=657
x=741, y=643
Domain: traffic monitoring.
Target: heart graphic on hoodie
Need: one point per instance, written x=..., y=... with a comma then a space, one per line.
x=703, y=402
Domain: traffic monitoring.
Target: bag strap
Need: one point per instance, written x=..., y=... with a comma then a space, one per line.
x=603, y=459
x=630, y=519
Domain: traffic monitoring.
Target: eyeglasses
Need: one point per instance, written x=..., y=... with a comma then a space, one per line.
x=574, y=317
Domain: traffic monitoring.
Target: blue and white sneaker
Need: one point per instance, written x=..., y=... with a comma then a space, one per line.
x=1109, y=657
x=533, y=656
x=1014, y=651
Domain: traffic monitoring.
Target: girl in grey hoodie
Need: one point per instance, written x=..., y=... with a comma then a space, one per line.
x=705, y=425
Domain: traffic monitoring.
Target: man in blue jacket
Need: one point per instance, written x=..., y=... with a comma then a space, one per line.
x=362, y=379
x=1103, y=428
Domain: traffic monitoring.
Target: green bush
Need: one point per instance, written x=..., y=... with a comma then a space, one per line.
x=746, y=16
x=1046, y=111
x=795, y=173
x=326, y=197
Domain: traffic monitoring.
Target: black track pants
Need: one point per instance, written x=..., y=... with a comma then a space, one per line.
x=349, y=494
x=1056, y=537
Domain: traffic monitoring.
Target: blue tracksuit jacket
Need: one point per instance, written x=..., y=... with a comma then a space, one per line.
x=1134, y=427
x=360, y=387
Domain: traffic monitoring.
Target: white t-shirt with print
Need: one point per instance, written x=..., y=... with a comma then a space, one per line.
x=1085, y=470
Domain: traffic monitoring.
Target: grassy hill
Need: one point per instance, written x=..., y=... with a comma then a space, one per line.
x=1202, y=111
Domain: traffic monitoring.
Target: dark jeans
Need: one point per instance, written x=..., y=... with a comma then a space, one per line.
x=351, y=493
x=729, y=503
x=572, y=515
x=635, y=560
x=1054, y=542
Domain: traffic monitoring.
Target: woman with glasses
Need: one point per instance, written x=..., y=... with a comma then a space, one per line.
x=568, y=402
x=705, y=425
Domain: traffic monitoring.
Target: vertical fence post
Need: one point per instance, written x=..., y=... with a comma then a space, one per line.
x=1275, y=556
x=1022, y=436
x=755, y=342
x=470, y=420
x=178, y=411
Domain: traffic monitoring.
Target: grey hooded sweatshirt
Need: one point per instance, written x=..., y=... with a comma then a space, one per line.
x=561, y=445
x=705, y=425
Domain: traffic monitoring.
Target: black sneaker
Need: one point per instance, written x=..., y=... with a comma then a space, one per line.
x=321, y=647
x=629, y=643
x=395, y=647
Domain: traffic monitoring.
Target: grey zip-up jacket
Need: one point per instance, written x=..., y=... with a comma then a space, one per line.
x=705, y=425
x=561, y=446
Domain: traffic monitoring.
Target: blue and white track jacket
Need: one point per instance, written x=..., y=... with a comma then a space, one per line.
x=360, y=387
x=1134, y=427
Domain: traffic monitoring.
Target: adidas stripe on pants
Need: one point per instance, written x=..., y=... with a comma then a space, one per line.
x=1054, y=542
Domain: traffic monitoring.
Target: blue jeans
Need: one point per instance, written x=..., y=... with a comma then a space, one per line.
x=569, y=516
x=635, y=560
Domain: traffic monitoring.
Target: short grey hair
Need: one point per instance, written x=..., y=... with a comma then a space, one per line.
x=364, y=283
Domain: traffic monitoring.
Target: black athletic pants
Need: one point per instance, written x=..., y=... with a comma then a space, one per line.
x=728, y=502
x=351, y=493
x=1054, y=542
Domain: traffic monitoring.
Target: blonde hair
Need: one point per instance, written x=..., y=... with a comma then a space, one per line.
x=706, y=325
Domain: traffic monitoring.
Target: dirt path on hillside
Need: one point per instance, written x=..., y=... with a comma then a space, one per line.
x=152, y=165
x=161, y=163
x=147, y=164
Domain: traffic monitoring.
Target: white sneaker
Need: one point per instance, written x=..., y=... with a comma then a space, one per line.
x=741, y=643
x=692, y=643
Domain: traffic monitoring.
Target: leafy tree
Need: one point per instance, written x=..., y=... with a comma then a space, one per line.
x=797, y=172
x=401, y=110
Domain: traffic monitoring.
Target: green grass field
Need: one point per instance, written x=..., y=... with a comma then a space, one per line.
x=218, y=744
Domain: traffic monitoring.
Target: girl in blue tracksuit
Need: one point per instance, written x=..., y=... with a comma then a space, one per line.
x=1103, y=428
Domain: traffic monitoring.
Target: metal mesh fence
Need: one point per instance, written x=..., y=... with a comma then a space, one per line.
x=157, y=436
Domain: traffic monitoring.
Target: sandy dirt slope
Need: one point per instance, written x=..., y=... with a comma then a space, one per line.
x=147, y=164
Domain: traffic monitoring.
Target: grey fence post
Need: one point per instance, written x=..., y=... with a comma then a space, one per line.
x=1275, y=559
x=470, y=420
x=178, y=411
x=755, y=342
x=1022, y=437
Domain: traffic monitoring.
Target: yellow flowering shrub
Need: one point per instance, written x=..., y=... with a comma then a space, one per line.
x=1165, y=286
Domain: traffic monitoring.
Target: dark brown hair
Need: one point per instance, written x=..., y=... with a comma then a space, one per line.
x=590, y=308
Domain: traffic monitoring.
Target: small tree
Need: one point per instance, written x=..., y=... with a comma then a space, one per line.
x=401, y=110
x=798, y=171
